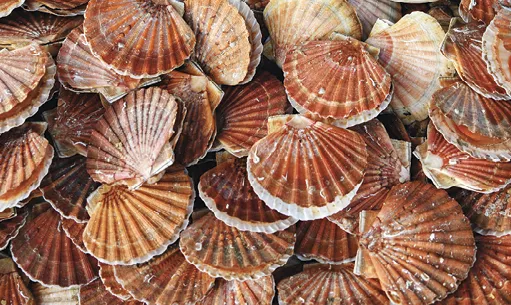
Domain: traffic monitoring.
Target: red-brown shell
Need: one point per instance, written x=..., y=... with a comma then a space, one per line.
x=7, y=6
x=12, y=288
x=57, y=7
x=483, y=10
x=250, y=292
x=107, y=275
x=74, y=231
x=95, y=293
x=10, y=228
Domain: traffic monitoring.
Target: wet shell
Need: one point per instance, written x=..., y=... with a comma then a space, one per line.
x=44, y=252
x=118, y=32
x=250, y=292
x=23, y=147
x=120, y=154
x=167, y=279
x=330, y=284
x=54, y=295
x=107, y=275
x=226, y=252
x=331, y=162
x=226, y=191
x=9, y=228
x=12, y=288
x=369, y=11
x=357, y=88
x=410, y=53
x=317, y=20
x=128, y=227
x=7, y=6
x=74, y=231
x=95, y=293
x=243, y=114
x=484, y=10
x=421, y=245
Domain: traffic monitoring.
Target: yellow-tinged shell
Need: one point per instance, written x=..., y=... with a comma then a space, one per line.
x=12, y=288
x=107, y=275
x=95, y=293
x=45, y=295
x=250, y=292
x=7, y=6
x=484, y=10
x=369, y=11
x=10, y=228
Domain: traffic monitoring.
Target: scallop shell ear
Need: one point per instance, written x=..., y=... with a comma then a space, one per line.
x=415, y=64
x=260, y=291
x=323, y=284
x=421, y=245
x=227, y=252
x=369, y=11
x=6, y=7
x=172, y=280
x=57, y=7
x=483, y=10
x=10, y=228
x=318, y=20
x=13, y=289
x=107, y=275
x=54, y=295
x=95, y=293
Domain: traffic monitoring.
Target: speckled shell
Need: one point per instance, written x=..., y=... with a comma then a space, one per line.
x=12, y=288
x=410, y=53
x=226, y=252
x=243, y=114
x=325, y=185
x=330, y=284
x=484, y=10
x=117, y=153
x=421, y=245
x=57, y=7
x=107, y=275
x=317, y=20
x=167, y=279
x=10, y=228
x=7, y=6
x=74, y=231
x=151, y=216
x=95, y=293
x=121, y=42
x=44, y=295
x=369, y=11
x=250, y=292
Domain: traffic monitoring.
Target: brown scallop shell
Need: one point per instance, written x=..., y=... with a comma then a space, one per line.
x=369, y=11
x=7, y=214
x=10, y=228
x=483, y=10
x=317, y=20
x=320, y=284
x=7, y=6
x=420, y=245
x=107, y=275
x=74, y=231
x=292, y=169
x=117, y=153
x=23, y=147
x=95, y=293
x=12, y=288
x=57, y=7
x=149, y=218
x=167, y=279
x=226, y=252
x=54, y=295
x=250, y=292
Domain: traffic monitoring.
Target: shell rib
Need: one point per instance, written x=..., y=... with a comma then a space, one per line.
x=369, y=11
x=44, y=295
x=95, y=293
x=7, y=6
x=250, y=292
x=12, y=288
x=10, y=228
x=74, y=231
x=107, y=275
x=484, y=10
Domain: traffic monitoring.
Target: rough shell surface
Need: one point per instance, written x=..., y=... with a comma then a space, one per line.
x=12, y=288
x=9, y=229
x=107, y=275
x=45, y=295
x=250, y=292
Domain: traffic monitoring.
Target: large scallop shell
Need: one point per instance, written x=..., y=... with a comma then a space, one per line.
x=23, y=147
x=12, y=288
x=107, y=275
x=167, y=279
x=118, y=153
x=54, y=295
x=95, y=293
x=369, y=11
x=74, y=231
x=410, y=52
x=7, y=6
x=57, y=7
x=250, y=292
x=128, y=227
x=484, y=10
x=227, y=252
x=317, y=20
x=307, y=169
x=321, y=284
x=10, y=228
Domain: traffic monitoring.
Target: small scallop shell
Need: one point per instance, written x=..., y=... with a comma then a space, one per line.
x=250, y=292
x=54, y=295
x=167, y=279
x=118, y=153
x=57, y=7
x=74, y=231
x=95, y=293
x=10, y=228
x=369, y=11
x=421, y=245
x=330, y=284
x=7, y=6
x=484, y=10
x=226, y=252
x=12, y=288
x=303, y=169
x=107, y=275
x=318, y=19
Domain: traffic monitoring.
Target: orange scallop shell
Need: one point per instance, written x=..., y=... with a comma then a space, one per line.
x=95, y=293
x=7, y=6
x=250, y=292
x=107, y=275
x=369, y=11
x=484, y=10
x=12, y=288
x=54, y=295
x=227, y=252
x=74, y=231
x=10, y=228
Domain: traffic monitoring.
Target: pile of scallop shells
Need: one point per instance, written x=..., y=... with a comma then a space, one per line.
x=255, y=152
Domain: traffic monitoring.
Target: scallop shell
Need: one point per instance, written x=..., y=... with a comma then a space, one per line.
x=484, y=10
x=317, y=20
x=107, y=275
x=27, y=148
x=44, y=295
x=95, y=293
x=330, y=284
x=118, y=30
x=7, y=6
x=226, y=252
x=10, y=228
x=7, y=214
x=226, y=191
x=12, y=288
x=57, y=7
x=331, y=162
x=74, y=231
x=117, y=153
x=243, y=114
x=149, y=218
x=369, y=11
x=167, y=279
x=447, y=166
x=250, y=292
x=410, y=52
x=44, y=253
x=421, y=245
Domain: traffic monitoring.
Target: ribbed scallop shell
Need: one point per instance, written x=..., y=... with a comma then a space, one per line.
x=107, y=275
x=128, y=227
x=447, y=166
x=120, y=153
x=74, y=231
x=369, y=11
x=243, y=114
x=410, y=53
x=330, y=284
x=250, y=292
x=12, y=288
x=317, y=20
x=421, y=245
x=226, y=191
x=484, y=10
x=44, y=295
x=95, y=293
x=44, y=252
x=7, y=6
x=23, y=147
x=167, y=279
x=307, y=169
x=226, y=252
x=119, y=32
x=354, y=87
x=10, y=228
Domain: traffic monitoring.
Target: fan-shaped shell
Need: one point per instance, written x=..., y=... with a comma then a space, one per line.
x=317, y=20
x=484, y=10
x=54, y=295
x=167, y=279
x=369, y=11
x=226, y=252
x=74, y=231
x=118, y=32
x=307, y=169
x=330, y=284
x=149, y=218
x=107, y=275
x=95, y=293
x=10, y=228
x=12, y=288
x=120, y=154
x=7, y=6
x=410, y=53
x=421, y=245
x=250, y=292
